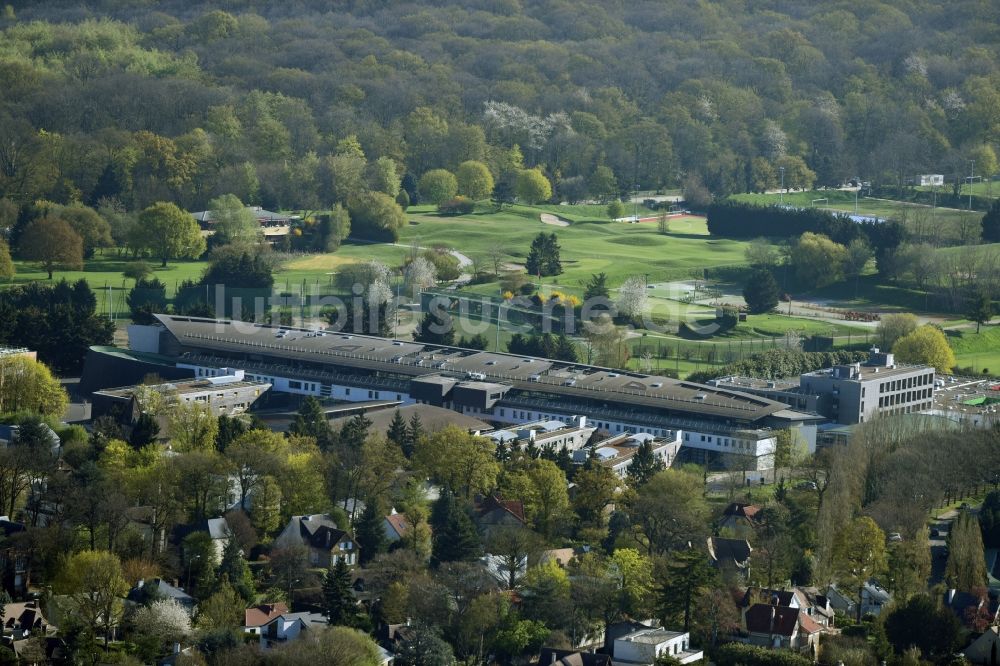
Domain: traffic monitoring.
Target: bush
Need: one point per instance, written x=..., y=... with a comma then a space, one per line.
x=445, y=265
x=457, y=206
x=741, y=654
x=778, y=363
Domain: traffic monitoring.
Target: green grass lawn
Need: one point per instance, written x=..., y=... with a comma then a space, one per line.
x=979, y=189
x=591, y=244
x=948, y=218
x=978, y=350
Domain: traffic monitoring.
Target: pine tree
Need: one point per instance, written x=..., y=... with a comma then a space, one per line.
x=311, y=422
x=980, y=309
x=644, y=464
x=338, y=600
x=413, y=435
x=397, y=430
x=235, y=570
x=436, y=328
x=761, y=291
x=687, y=574
x=144, y=432
x=355, y=431
x=369, y=533
x=455, y=537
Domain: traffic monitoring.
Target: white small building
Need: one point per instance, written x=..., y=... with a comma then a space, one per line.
x=646, y=645
x=931, y=179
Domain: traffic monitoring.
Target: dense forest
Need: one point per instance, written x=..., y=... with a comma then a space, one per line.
x=295, y=104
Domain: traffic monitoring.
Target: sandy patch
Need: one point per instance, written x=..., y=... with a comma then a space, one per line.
x=512, y=266
x=554, y=220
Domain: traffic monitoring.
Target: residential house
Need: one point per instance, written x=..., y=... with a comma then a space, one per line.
x=645, y=646
x=818, y=606
x=985, y=650
x=730, y=556
x=840, y=602
x=783, y=618
x=396, y=526
x=772, y=626
x=492, y=512
x=157, y=588
x=874, y=598
x=288, y=626
x=220, y=533
x=557, y=657
x=740, y=519
x=257, y=616
x=22, y=618
x=325, y=542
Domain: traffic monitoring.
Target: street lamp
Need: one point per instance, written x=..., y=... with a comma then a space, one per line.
x=781, y=192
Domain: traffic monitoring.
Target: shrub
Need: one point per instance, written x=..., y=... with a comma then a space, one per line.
x=457, y=206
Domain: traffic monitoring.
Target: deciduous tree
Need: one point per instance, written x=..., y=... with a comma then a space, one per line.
x=926, y=345
x=457, y=460
x=53, y=244
x=167, y=232
x=93, y=583
x=966, y=567
x=532, y=187
x=437, y=185
x=474, y=180
x=27, y=385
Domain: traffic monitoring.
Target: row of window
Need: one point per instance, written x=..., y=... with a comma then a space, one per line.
x=906, y=383
x=726, y=442
x=900, y=398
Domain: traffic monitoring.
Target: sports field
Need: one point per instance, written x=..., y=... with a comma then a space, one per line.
x=949, y=220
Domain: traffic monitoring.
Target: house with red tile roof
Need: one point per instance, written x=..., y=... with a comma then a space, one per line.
x=396, y=526
x=257, y=616
x=492, y=512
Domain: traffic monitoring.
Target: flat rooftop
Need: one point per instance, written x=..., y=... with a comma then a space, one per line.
x=186, y=387
x=652, y=636
x=737, y=383
x=403, y=358
x=872, y=372
x=969, y=396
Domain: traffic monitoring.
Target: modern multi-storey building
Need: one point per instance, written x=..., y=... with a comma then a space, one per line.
x=718, y=424
x=849, y=394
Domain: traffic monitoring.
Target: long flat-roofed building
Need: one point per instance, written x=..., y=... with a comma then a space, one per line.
x=504, y=388
x=226, y=392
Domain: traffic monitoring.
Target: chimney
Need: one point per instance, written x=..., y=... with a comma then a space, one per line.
x=177, y=648
x=553, y=660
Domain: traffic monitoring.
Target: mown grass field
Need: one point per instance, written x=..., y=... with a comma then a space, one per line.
x=977, y=350
x=591, y=244
x=949, y=219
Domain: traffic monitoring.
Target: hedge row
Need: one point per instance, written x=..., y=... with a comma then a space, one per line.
x=778, y=363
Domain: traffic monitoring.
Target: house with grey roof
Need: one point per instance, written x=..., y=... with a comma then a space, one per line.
x=319, y=534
